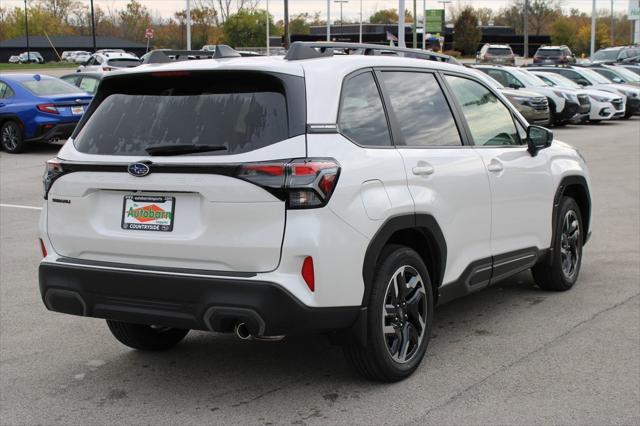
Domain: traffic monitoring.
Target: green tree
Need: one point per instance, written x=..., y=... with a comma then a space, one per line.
x=564, y=30
x=247, y=28
x=134, y=19
x=300, y=24
x=467, y=34
x=389, y=16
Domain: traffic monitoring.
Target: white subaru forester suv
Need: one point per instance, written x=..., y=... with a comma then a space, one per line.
x=319, y=192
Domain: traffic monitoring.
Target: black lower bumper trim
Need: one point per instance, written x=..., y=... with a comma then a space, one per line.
x=203, y=303
x=60, y=131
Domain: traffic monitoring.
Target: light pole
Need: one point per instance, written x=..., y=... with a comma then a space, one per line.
x=341, y=22
x=328, y=20
x=26, y=28
x=593, y=28
x=188, y=24
x=415, y=25
x=360, y=38
x=267, y=27
x=612, y=32
x=526, y=28
x=287, y=37
x=93, y=27
x=401, y=42
x=424, y=24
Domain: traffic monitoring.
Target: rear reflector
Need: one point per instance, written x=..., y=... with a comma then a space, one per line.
x=307, y=273
x=43, y=248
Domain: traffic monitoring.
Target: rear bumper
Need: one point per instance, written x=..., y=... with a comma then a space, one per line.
x=46, y=132
x=184, y=301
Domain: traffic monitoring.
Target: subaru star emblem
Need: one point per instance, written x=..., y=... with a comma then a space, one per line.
x=138, y=169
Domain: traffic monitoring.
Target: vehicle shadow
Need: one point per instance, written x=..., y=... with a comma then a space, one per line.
x=208, y=361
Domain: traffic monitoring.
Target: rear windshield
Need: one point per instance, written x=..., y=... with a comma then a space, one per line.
x=123, y=62
x=549, y=52
x=50, y=87
x=499, y=51
x=235, y=112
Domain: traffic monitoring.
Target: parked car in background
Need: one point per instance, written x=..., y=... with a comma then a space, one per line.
x=496, y=54
x=533, y=106
x=565, y=104
x=109, y=61
x=587, y=77
x=554, y=55
x=85, y=81
x=610, y=55
x=80, y=57
x=617, y=74
x=36, y=108
x=31, y=57
x=604, y=105
x=633, y=67
x=110, y=51
x=14, y=59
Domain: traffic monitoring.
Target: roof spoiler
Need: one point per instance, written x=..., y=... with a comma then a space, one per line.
x=164, y=56
x=300, y=50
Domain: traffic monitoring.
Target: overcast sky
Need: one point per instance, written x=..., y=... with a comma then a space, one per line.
x=166, y=8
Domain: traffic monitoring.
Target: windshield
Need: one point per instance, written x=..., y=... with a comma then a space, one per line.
x=548, y=52
x=626, y=74
x=499, y=51
x=562, y=81
x=50, y=87
x=123, y=62
x=238, y=112
x=594, y=77
x=605, y=55
x=528, y=78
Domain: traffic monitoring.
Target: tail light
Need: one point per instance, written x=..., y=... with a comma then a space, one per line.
x=52, y=171
x=304, y=183
x=48, y=108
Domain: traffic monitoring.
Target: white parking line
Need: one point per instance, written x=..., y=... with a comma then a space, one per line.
x=16, y=206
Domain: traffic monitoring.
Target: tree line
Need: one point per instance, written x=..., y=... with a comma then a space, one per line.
x=215, y=21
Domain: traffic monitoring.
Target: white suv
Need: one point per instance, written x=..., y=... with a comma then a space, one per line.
x=273, y=196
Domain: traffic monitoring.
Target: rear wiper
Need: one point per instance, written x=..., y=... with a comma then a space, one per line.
x=163, y=150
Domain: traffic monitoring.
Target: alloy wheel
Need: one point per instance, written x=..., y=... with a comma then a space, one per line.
x=10, y=137
x=404, y=314
x=569, y=244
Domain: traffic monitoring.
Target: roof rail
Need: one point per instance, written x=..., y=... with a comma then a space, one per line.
x=167, y=55
x=300, y=50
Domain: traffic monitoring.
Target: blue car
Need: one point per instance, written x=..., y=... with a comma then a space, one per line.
x=37, y=108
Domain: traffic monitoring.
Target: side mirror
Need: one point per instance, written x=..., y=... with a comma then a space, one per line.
x=582, y=82
x=538, y=138
x=514, y=86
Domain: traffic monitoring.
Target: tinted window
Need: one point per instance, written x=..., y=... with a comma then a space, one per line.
x=489, y=120
x=362, y=117
x=123, y=62
x=421, y=109
x=548, y=52
x=49, y=87
x=499, y=51
x=239, y=112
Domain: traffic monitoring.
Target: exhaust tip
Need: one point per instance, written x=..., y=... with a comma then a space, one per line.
x=242, y=331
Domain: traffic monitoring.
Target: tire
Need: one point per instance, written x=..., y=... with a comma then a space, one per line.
x=146, y=337
x=11, y=137
x=561, y=272
x=396, y=354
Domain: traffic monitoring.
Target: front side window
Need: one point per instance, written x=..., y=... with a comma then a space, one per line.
x=422, y=111
x=362, y=118
x=489, y=120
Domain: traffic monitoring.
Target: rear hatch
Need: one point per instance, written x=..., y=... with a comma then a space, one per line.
x=179, y=170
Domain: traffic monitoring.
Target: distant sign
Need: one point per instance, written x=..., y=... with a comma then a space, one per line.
x=435, y=20
x=148, y=33
x=634, y=10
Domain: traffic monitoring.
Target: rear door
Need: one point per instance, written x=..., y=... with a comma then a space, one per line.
x=446, y=179
x=134, y=195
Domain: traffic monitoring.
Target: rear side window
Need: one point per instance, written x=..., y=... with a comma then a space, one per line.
x=235, y=112
x=421, y=109
x=362, y=118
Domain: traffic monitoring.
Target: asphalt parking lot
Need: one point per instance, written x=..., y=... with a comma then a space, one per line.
x=512, y=354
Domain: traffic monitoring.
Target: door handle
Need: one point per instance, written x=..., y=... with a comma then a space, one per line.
x=495, y=166
x=423, y=169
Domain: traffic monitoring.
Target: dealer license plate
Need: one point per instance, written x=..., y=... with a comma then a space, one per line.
x=148, y=213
